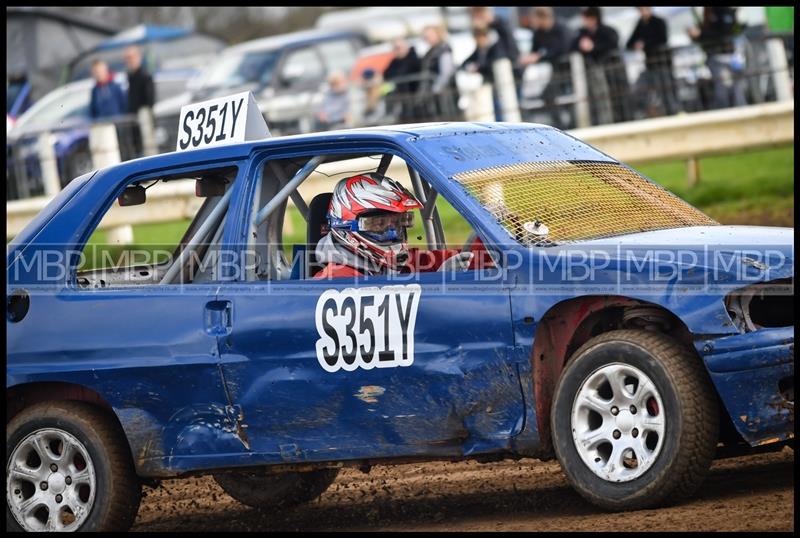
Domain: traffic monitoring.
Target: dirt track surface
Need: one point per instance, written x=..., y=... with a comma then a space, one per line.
x=754, y=493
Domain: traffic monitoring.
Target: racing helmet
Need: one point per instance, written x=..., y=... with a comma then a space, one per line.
x=369, y=215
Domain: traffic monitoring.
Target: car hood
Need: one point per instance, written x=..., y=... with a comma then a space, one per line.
x=724, y=255
x=718, y=236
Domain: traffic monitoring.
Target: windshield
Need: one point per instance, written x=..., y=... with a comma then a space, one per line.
x=57, y=107
x=548, y=203
x=237, y=69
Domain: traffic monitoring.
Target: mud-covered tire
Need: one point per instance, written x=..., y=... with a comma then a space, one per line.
x=690, y=420
x=262, y=489
x=117, y=488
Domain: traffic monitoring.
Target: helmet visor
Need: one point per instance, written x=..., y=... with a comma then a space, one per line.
x=386, y=227
x=379, y=224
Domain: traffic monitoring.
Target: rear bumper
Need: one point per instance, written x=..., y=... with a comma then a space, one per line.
x=754, y=376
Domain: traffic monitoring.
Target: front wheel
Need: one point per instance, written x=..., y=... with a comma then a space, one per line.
x=68, y=468
x=261, y=489
x=634, y=420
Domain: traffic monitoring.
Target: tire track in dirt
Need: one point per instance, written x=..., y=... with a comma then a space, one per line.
x=746, y=493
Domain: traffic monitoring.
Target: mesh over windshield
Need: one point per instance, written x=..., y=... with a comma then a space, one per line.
x=556, y=202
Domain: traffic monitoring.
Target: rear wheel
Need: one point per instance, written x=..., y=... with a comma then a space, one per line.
x=262, y=489
x=634, y=420
x=68, y=468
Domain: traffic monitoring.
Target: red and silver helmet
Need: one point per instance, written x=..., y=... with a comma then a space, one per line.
x=369, y=215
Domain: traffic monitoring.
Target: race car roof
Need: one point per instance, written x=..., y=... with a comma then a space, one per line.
x=454, y=147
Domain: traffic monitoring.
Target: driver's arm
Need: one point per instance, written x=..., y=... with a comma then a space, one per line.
x=424, y=261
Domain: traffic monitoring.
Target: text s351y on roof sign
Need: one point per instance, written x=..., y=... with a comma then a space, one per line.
x=224, y=120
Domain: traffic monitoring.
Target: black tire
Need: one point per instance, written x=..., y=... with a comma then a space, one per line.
x=690, y=410
x=118, y=489
x=79, y=162
x=261, y=489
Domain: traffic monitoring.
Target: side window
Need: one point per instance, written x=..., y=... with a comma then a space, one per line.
x=128, y=249
x=288, y=231
x=339, y=55
x=302, y=69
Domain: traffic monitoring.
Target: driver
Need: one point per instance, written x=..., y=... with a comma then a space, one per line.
x=369, y=217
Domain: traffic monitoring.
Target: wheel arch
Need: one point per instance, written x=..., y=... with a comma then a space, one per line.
x=567, y=325
x=22, y=396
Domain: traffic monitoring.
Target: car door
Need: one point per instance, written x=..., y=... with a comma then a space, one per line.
x=336, y=369
x=149, y=349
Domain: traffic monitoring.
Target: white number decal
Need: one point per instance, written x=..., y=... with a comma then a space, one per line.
x=367, y=328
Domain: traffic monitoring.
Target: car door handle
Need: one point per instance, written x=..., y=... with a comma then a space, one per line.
x=218, y=318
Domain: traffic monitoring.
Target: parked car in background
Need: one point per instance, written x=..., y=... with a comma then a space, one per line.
x=165, y=48
x=18, y=99
x=65, y=113
x=287, y=74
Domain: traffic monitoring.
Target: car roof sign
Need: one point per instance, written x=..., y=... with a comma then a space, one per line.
x=222, y=120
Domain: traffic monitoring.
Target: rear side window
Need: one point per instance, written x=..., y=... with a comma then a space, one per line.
x=128, y=249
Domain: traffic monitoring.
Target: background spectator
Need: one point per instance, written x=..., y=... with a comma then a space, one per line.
x=141, y=91
x=650, y=36
x=716, y=36
x=108, y=98
x=374, y=106
x=506, y=45
x=403, y=71
x=334, y=109
x=551, y=44
x=438, y=84
x=607, y=80
x=482, y=61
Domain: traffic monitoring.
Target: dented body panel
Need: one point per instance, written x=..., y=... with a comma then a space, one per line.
x=747, y=369
x=191, y=397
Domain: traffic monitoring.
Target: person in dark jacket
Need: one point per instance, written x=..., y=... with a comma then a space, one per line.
x=496, y=42
x=141, y=91
x=551, y=44
x=506, y=45
x=482, y=61
x=404, y=72
x=608, y=82
x=437, y=90
x=108, y=99
x=650, y=35
x=484, y=55
x=717, y=30
x=716, y=37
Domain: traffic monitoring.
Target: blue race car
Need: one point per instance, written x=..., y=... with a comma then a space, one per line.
x=587, y=314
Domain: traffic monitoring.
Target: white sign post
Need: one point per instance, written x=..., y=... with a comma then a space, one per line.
x=224, y=120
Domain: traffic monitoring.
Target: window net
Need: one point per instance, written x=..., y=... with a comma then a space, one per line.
x=556, y=202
